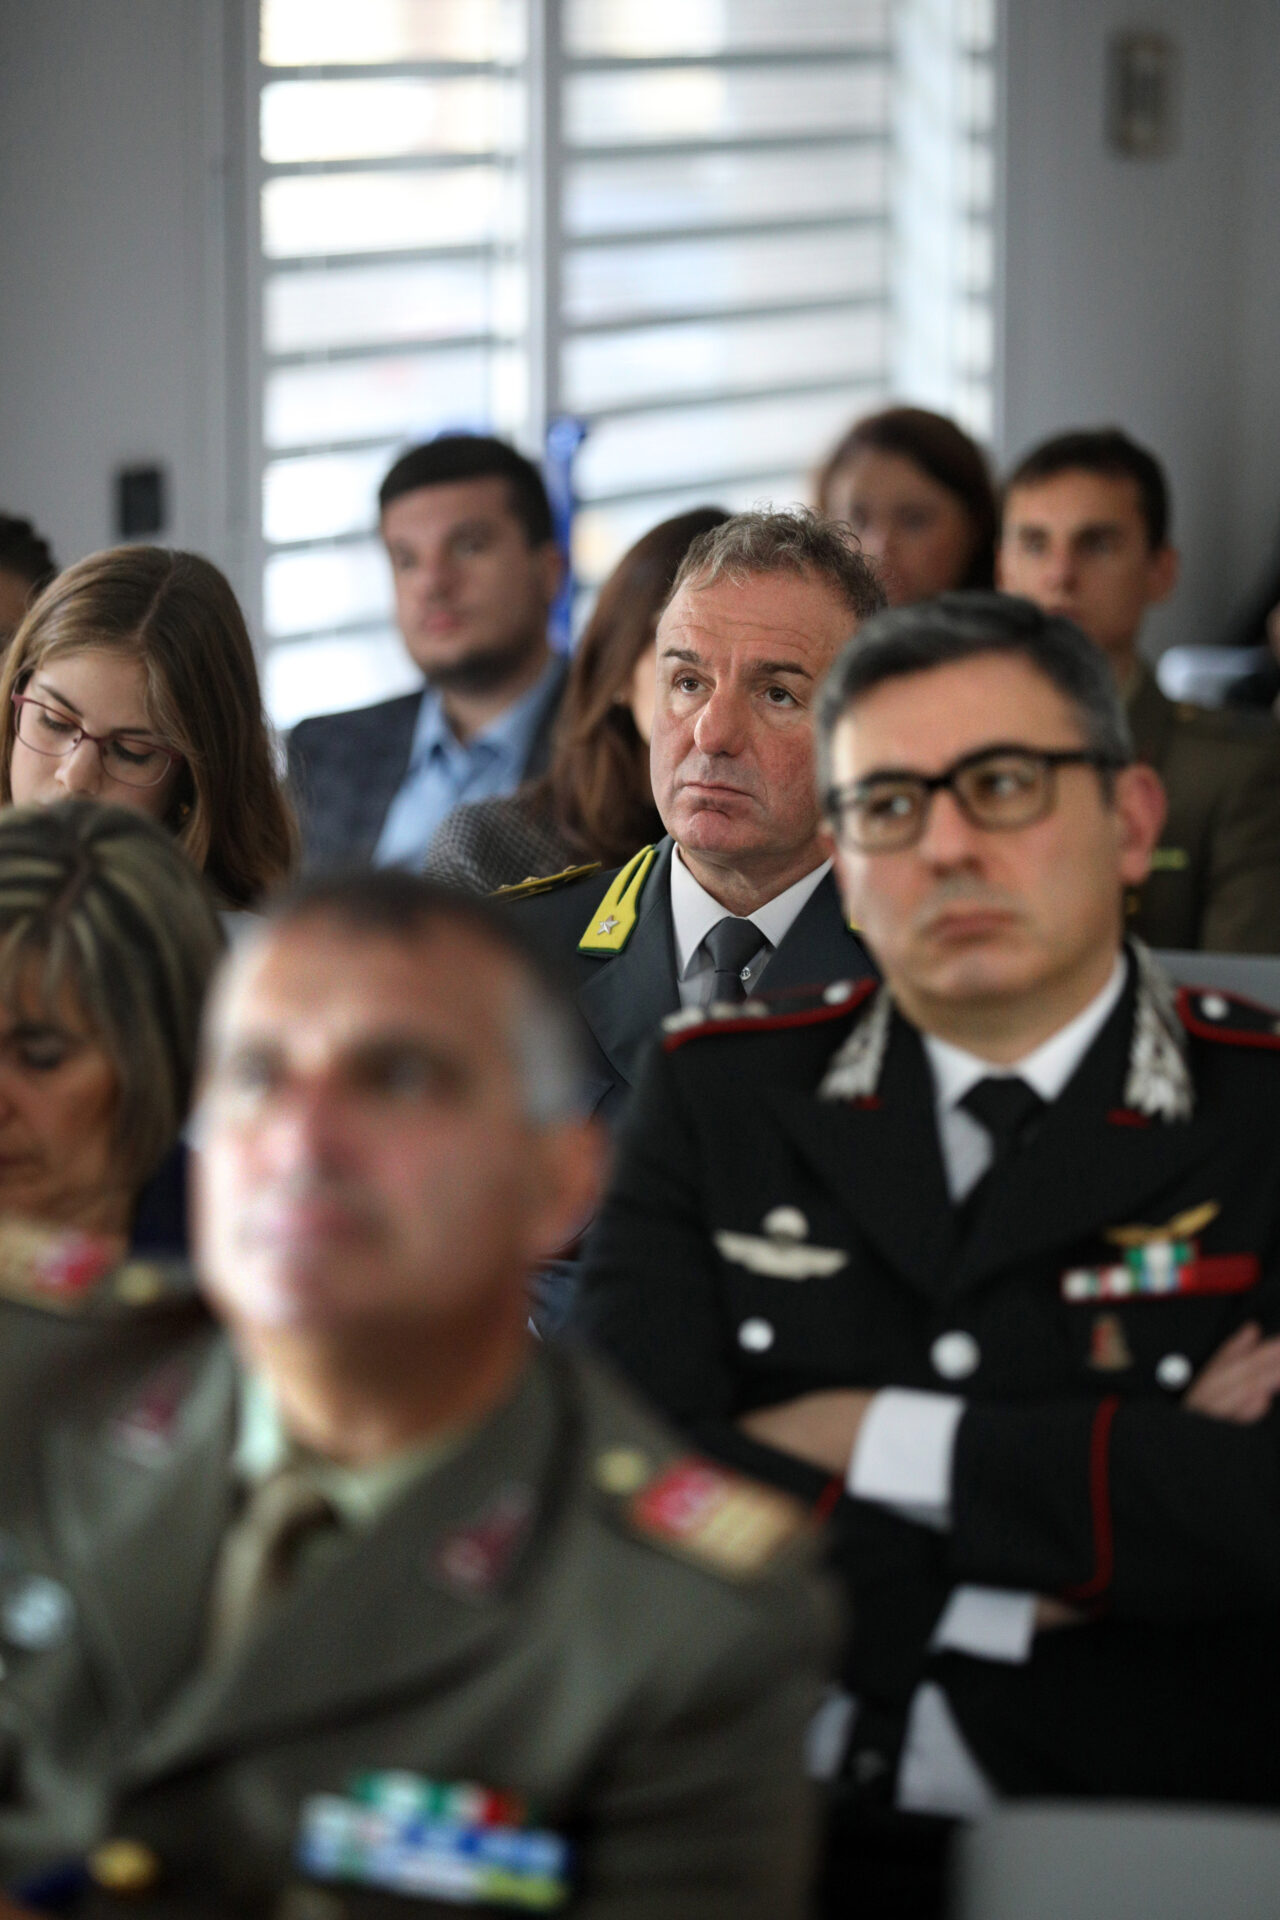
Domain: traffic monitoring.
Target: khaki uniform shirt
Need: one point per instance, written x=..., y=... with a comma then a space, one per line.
x=568, y=1609
x=1215, y=880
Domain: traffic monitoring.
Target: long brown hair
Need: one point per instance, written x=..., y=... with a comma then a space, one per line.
x=597, y=787
x=176, y=614
x=944, y=452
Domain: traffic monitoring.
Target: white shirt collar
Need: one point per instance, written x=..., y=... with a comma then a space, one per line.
x=1047, y=1068
x=694, y=912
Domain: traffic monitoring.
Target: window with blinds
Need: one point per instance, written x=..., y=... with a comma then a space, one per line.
x=689, y=223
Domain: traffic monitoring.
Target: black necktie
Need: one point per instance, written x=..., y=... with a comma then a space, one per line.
x=731, y=943
x=1005, y=1106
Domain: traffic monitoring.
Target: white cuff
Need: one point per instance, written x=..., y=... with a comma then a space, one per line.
x=902, y=1456
x=989, y=1622
x=938, y=1773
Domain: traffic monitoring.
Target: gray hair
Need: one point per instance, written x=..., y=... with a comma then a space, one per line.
x=542, y=1029
x=798, y=541
x=962, y=626
x=100, y=903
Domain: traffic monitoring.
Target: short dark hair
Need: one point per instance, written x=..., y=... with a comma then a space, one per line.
x=25, y=552
x=391, y=903
x=1106, y=451
x=963, y=626
x=474, y=456
x=942, y=451
x=797, y=541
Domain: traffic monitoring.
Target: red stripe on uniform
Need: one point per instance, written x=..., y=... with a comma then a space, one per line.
x=771, y=1023
x=1100, y=1502
x=1215, y=1030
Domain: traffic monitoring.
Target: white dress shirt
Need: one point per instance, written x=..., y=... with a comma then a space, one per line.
x=905, y=1447
x=694, y=912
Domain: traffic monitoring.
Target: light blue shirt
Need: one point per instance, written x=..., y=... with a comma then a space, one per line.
x=444, y=771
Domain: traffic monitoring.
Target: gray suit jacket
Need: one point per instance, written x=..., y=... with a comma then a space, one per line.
x=345, y=769
x=509, y=1620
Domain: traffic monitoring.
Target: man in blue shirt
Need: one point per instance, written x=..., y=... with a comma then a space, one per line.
x=467, y=528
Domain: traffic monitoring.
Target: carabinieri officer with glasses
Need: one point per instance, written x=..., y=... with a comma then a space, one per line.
x=983, y=1259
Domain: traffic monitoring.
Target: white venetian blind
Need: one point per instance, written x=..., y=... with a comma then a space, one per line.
x=692, y=223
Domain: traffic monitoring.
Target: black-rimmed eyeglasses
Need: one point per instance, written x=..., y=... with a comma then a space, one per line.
x=126, y=757
x=999, y=788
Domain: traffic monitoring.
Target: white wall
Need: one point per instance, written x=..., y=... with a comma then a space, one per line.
x=112, y=323
x=1143, y=292
x=1146, y=292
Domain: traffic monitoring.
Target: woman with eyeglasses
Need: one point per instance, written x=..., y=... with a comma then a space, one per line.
x=132, y=680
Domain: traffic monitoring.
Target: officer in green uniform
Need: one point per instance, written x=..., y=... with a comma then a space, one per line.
x=1086, y=535
x=374, y=1602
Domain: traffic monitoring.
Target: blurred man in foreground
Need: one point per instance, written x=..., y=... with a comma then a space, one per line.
x=1086, y=536
x=976, y=1255
x=375, y=1596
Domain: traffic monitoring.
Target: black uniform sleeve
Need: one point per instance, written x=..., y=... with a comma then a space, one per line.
x=650, y=1295
x=1142, y=1510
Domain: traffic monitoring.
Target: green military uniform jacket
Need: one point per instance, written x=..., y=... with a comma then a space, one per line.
x=1215, y=882
x=569, y=1609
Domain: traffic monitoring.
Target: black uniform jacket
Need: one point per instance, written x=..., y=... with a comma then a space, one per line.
x=345, y=769
x=1077, y=1472
x=624, y=997
x=545, y=1614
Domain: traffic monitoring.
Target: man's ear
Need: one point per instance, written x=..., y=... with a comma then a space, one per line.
x=1163, y=569
x=1140, y=807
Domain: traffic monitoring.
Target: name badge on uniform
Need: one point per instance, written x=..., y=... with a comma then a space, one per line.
x=460, y=1843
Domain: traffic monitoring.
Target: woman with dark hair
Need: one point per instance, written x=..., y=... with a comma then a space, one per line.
x=594, y=803
x=26, y=565
x=917, y=492
x=132, y=679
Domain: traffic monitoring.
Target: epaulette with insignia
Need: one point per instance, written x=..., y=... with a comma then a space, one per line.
x=614, y=920
x=1212, y=1015
x=76, y=1273
x=543, y=883
x=763, y=1016
x=702, y=1512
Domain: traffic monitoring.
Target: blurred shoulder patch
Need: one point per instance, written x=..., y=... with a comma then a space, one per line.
x=777, y=1013
x=1225, y=1017
x=75, y=1273
x=718, y=1520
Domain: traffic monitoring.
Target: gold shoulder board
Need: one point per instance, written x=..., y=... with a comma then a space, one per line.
x=614, y=920
x=701, y=1512
x=543, y=883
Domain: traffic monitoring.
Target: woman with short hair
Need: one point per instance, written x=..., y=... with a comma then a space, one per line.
x=108, y=940
x=132, y=680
